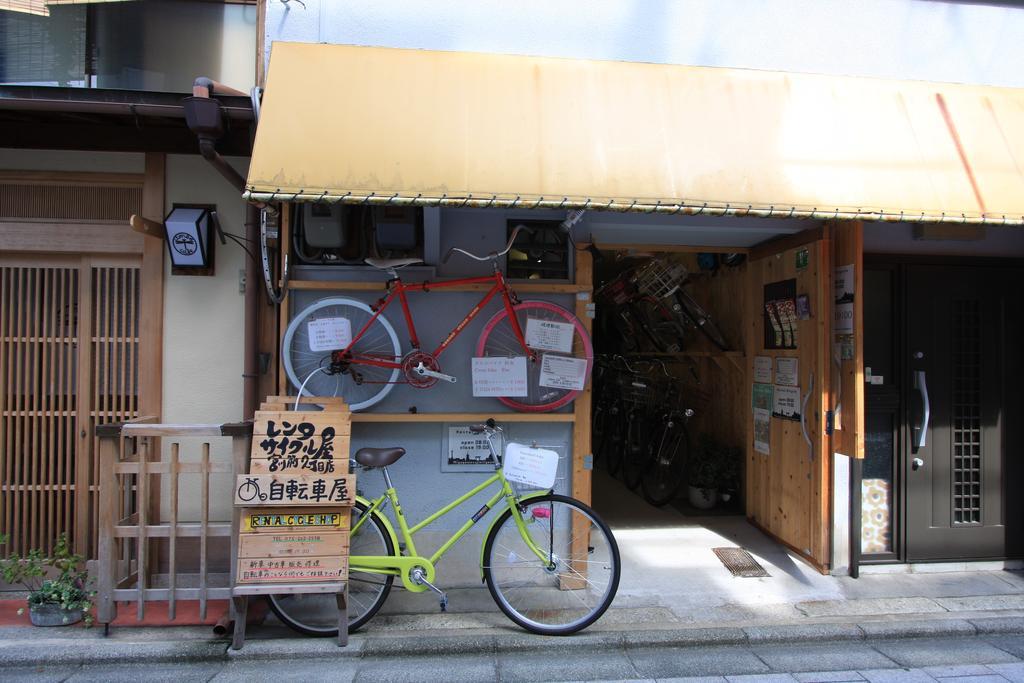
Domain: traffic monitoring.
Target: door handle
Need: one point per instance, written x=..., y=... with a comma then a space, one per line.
x=921, y=384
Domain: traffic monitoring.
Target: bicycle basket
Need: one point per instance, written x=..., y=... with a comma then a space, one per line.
x=660, y=278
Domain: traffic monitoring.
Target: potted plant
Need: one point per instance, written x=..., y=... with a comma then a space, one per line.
x=713, y=470
x=59, y=600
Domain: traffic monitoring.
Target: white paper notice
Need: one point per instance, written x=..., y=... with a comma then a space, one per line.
x=763, y=369
x=534, y=467
x=786, y=372
x=844, y=287
x=548, y=335
x=329, y=334
x=499, y=376
x=762, y=430
x=562, y=372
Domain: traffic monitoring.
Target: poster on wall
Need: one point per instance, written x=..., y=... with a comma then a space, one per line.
x=762, y=430
x=786, y=404
x=464, y=450
x=763, y=369
x=844, y=287
x=762, y=396
x=787, y=372
x=780, y=315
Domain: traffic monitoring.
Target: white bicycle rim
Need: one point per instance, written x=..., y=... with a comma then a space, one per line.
x=304, y=315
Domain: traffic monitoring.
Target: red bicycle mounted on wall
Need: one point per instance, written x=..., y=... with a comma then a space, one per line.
x=344, y=347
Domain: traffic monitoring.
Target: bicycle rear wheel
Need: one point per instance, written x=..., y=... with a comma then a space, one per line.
x=573, y=587
x=666, y=468
x=360, y=385
x=543, y=390
x=317, y=615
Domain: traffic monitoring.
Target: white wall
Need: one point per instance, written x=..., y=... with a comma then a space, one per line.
x=204, y=325
x=906, y=39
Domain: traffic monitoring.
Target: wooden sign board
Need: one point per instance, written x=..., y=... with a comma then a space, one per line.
x=303, y=441
x=292, y=569
x=277, y=520
x=293, y=544
x=295, y=489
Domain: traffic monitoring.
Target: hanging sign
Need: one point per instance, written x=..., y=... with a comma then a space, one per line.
x=786, y=403
x=548, y=335
x=844, y=287
x=762, y=369
x=499, y=376
x=563, y=372
x=786, y=371
x=329, y=334
x=535, y=467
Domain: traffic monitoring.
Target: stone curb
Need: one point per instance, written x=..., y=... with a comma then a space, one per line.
x=104, y=651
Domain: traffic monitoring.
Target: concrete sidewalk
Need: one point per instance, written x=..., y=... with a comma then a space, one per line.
x=962, y=613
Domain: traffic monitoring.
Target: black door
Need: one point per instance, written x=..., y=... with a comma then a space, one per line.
x=963, y=458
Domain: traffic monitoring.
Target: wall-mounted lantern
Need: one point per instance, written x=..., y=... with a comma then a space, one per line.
x=190, y=240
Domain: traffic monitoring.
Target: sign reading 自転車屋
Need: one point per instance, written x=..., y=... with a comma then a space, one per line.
x=295, y=489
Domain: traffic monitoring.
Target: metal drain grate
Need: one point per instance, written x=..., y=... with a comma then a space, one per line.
x=740, y=562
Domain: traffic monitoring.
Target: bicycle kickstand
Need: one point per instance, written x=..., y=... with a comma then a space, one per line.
x=418, y=577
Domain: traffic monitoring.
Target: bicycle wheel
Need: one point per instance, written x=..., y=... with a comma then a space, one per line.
x=701, y=320
x=612, y=444
x=667, y=465
x=360, y=385
x=317, y=615
x=635, y=450
x=566, y=593
x=543, y=392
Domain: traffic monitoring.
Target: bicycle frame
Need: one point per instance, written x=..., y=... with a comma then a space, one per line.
x=401, y=566
x=397, y=288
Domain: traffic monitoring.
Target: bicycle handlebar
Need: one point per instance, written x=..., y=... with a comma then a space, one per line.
x=490, y=425
x=494, y=254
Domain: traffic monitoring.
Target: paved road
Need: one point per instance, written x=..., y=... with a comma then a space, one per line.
x=978, y=659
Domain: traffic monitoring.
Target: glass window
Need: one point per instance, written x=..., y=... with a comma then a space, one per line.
x=153, y=45
x=877, y=485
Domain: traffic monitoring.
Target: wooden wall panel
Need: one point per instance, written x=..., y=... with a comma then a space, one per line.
x=848, y=248
x=788, y=491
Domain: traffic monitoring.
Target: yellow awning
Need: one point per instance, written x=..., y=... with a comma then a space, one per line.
x=382, y=125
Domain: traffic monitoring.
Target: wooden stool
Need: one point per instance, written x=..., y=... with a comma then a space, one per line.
x=240, y=600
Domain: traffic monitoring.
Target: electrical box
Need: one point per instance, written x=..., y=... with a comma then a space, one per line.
x=324, y=225
x=396, y=227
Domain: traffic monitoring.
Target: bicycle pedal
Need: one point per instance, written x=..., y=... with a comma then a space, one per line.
x=444, y=602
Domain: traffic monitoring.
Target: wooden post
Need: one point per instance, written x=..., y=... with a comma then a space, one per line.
x=106, y=608
x=204, y=526
x=240, y=464
x=172, y=539
x=582, y=455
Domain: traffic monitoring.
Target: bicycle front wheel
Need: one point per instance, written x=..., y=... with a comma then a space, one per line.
x=304, y=352
x=545, y=384
x=666, y=468
x=317, y=615
x=575, y=583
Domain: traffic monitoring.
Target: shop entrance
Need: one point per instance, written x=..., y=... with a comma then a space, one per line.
x=675, y=420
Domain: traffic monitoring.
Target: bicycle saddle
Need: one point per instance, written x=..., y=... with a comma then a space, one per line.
x=390, y=263
x=378, y=457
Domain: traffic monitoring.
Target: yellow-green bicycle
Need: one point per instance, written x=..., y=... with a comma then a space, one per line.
x=549, y=561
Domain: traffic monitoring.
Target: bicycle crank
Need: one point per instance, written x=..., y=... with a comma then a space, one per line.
x=420, y=578
x=424, y=371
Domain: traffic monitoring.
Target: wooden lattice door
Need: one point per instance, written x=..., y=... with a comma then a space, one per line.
x=69, y=356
